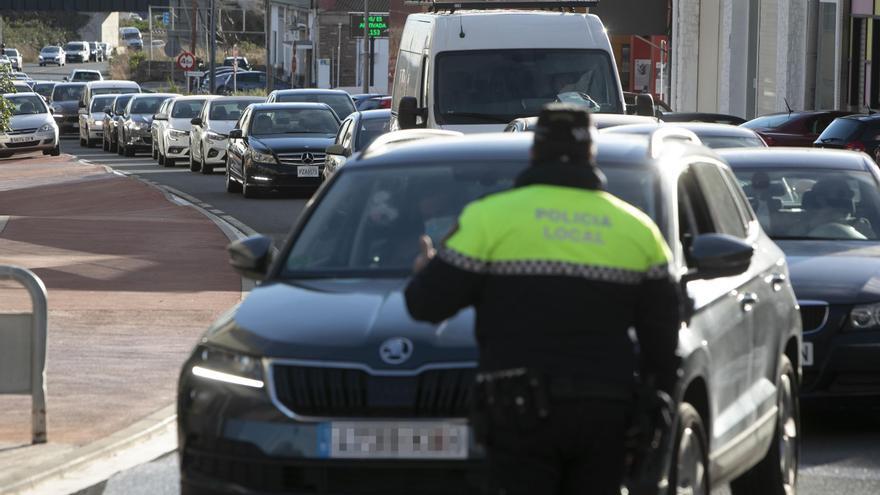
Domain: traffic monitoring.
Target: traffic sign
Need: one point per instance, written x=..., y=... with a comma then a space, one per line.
x=186, y=61
x=378, y=25
x=166, y=18
x=194, y=73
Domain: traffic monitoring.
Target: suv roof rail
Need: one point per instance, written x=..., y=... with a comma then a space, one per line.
x=664, y=134
x=452, y=5
x=407, y=135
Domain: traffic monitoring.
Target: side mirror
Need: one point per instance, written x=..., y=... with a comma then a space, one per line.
x=160, y=116
x=719, y=255
x=52, y=110
x=408, y=112
x=250, y=257
x=197, y=121
x=235, y=134
x=645, y=105
x=64, y=78
x=336, y=149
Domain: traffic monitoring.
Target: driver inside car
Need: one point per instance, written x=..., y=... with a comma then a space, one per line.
x=829, y=211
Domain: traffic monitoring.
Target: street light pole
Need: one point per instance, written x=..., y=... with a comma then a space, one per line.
x=270, y=74
x=212, y=49
x=366, y=66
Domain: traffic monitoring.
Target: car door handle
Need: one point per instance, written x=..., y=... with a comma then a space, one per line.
x=777, y=280
x=747, y=301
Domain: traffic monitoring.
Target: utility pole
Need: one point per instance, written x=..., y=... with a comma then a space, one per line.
x=212, y=48
x=193, y=14
x=270, y=72
x=366, y=76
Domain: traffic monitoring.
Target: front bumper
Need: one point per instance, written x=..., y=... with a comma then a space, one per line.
x=38, y=141
x=96, y=131
x=74, y=57
x=233, y=439
x=215, y=152
x=270, y=176
x=176, y=147
x=139, y=140
x=846, y=363
x=67, y=124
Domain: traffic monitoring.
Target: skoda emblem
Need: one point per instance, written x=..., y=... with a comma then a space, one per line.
x=308, y=157
x=396, y=350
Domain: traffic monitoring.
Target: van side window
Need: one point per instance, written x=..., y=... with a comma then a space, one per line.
x=408, y=78
x=423, y=93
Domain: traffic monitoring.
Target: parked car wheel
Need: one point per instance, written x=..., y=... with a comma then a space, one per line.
x=105, y=145
x=247, y=191
x=194, y=166
x=170, y=162
x=231, y=185
x=206, y=168
x=776, y=473
x=83, y=143
x=120, y=149
x=690, y=470
x=154, y=153
x=56, y=151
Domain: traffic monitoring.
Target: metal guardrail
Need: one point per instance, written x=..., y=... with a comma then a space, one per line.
x=23, y=348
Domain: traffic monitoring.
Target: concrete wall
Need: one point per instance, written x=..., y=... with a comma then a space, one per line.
x=102, y=26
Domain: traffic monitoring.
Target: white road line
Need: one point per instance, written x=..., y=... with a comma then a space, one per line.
x=148, y=171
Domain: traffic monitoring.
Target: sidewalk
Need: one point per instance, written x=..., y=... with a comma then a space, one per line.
x=133, y=280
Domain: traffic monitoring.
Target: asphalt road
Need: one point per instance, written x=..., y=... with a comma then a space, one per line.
x=55, y=73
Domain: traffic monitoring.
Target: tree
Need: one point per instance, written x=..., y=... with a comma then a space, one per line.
x=6, y=86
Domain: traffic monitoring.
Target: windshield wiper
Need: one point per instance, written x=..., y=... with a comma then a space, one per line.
x=475, y=115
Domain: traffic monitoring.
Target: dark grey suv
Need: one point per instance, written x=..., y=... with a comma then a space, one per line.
x=320, y=382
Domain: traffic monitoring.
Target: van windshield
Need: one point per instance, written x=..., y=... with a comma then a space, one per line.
x=497, y=86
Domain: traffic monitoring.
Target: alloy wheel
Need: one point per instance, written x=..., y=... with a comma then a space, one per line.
x=690, y=467
x=788, y=435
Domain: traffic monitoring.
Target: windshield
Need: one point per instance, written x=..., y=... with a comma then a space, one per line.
x=497, y=86
x=100, y=103
x=341, y=104
x=370, y=130
x=12, y=52
x=131, y=35
x=44, y=89
x=67, y=92
x=769, y=121
x=121, y=102
x=73, y=47
x=27, y=105
x=840, y=130
x=370, y=220
x=814, y=203
x=147, y=105
x=50, y=49
x=732, y=141
x=187, y=109
x=229, y=110
x=87, y=76
x=294, y=121
x=113, y=91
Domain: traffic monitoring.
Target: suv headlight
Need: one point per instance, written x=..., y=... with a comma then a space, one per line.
x=46, y=128
x=213, y=136
x=865, y=317
x=228, y=367
x=139, y=126
x=260, y=157
x=177, y=134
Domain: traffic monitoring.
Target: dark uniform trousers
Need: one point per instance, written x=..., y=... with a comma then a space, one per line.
x=578, y=449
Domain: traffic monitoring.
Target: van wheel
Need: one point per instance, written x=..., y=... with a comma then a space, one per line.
x=776, y=473
x=690, y=470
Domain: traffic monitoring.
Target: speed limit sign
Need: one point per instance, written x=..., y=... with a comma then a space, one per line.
x=186, y=61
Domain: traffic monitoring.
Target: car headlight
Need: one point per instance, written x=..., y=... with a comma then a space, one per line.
x=865, y=317
x=228, y=367
x=213, y=136
x=260, y=157
x=177, y=134
x=98, y=123
x=46, y=128
x=139, y=126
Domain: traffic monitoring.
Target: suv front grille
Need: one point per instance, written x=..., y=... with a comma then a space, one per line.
x=297, y=158
x=813, y=315
x=342, y=392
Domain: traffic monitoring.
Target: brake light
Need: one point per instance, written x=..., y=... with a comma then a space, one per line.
x=855, y=146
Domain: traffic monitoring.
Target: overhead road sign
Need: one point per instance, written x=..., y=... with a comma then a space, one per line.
x=378, y=25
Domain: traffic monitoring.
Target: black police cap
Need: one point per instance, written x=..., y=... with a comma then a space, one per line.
x=564, y=133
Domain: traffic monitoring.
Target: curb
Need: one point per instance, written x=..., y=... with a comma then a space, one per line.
x=144, y=441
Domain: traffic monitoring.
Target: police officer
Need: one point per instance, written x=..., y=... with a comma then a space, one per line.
x=558, y=271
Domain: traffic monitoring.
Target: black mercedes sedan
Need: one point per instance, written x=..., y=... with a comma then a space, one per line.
x=279, y=146
x=319, y=381
x=822, y=207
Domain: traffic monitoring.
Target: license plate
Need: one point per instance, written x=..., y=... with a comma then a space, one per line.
x=807, y=354
x=21, y=139
x=307, y=171
x=393, y=440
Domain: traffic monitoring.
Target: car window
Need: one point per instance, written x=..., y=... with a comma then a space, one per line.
x=294, y=121
x=228, y=110
x=121, y=103
x=147, y=105
x=98, y=104
x=187, y=109
x=770, y=121
x=27, y=105
x=342, y=129
x=67, y=93
x=347, y=136
x=726, y=215
x=44, y=89
x=795, y=203
x=370, y=129
x=341, y=104
x=694, y=217
x=841, y=130
x=244, y=122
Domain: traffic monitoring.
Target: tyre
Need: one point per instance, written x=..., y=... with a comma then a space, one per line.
x=194, y=166
x=205, y=167
x=170, y=162
x=690, y=468
x=105, y=145
x=231, y=185
x=128, y=151
x=56, y=151
x=776, y=473
x=83, y=143
x=247, y=191
x=161, y=158
x=153, y=153
x=120, y=149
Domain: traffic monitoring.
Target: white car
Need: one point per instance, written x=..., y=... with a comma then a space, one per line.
x=84, y=75
x=14, y=57
x=4, y=60
x=31, y=127
x=52, y=55
x=77, y=51
x=210, y=131
x=91, y=120
x=173, y=128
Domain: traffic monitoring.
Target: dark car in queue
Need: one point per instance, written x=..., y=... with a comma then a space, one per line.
x=65, y=106
x=356, y=133
x=134, y=128
x=793, y=128
x=112, y=119
x=712, y=135
x=320, y=382
x=44, y=89
x=853, y=132
x=279, y=146
x=822, y=207
x=338, y=100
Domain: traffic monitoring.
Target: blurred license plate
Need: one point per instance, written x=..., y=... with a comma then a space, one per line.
x=807, y=354
x=21, y=139
x=393, y=440
x=307, y=171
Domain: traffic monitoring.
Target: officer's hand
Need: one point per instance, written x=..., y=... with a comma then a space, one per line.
x=426, y=252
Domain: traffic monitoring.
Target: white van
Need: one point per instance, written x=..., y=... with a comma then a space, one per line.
x=476, y=70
